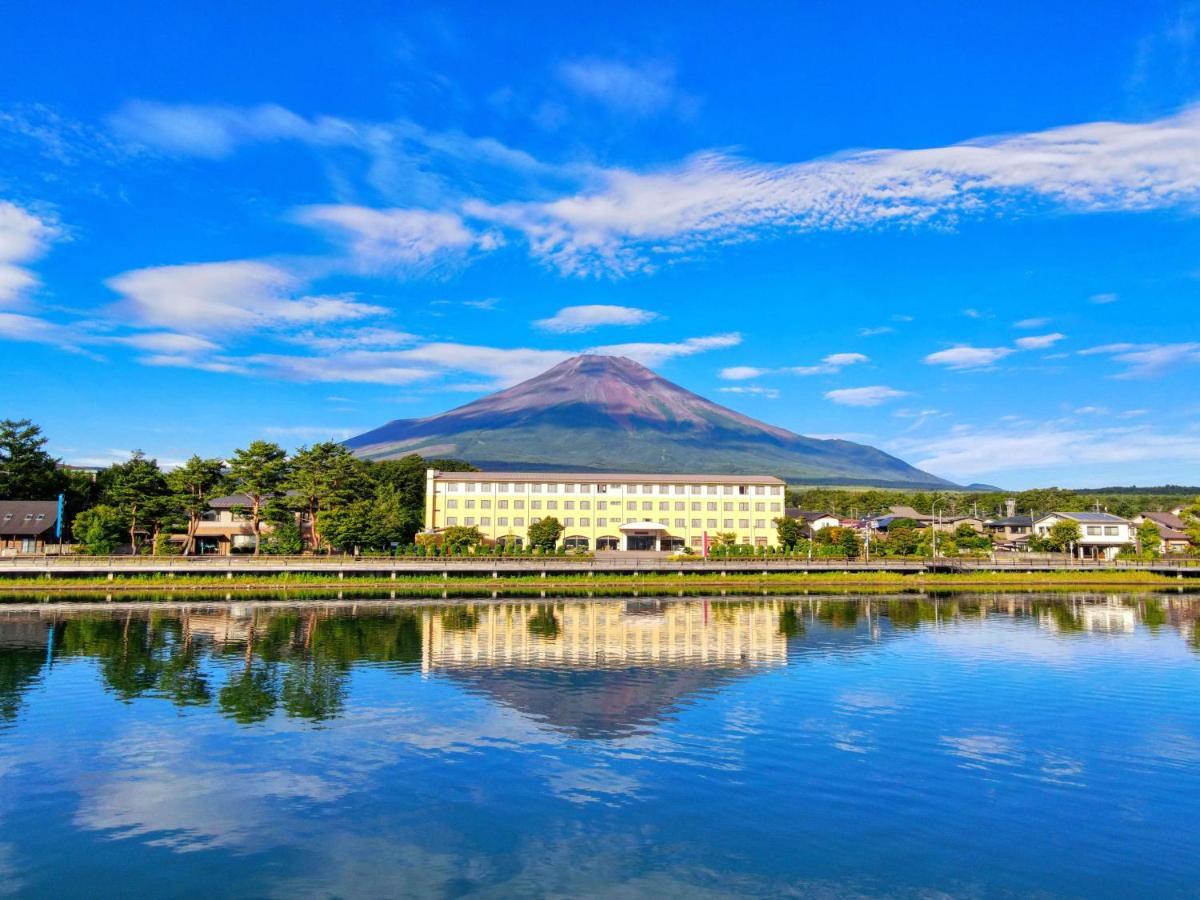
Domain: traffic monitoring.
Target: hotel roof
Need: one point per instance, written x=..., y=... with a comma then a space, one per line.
x=605, y=478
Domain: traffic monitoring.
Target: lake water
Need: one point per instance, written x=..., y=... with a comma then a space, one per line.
x=999, y=745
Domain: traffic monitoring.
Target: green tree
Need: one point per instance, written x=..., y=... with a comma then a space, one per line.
x=790, y=532
x=98, y=530
x=193, y=485
x=139, y=492
x=544, y=534
x=324, y=477
x=347, y=527
x=849, y=542
x=1062, y=535
x=259, y=472
x=460, y=538
x=1148, y=539
x=27, y=471
x=725, y=539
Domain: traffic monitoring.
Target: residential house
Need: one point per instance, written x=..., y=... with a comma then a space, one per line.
x=813, y=521
x=1012, y=531
x=1172, y=531
x=1102, y=535
x=27, y=526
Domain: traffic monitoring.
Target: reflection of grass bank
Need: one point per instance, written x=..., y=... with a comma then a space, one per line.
x=615, y=584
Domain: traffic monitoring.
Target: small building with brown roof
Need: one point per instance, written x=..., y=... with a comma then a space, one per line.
x=27, y=526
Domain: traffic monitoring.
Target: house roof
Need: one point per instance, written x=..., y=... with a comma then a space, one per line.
x=27, y=518
x=907, y=512
x=806, y=514
x=1010, y=521
x=1093, y=517
x=1169, y=520
x=610, y=478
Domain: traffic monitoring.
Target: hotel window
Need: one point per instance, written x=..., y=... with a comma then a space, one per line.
x=632, y=504
x=648, y=489
x=728, y=523
x=552, y=489
x=450, y=504
x=647, y=504
x=760, y=523
x=776, y=490
x=469, y=487
x=712, y=523
x=742, y=489
x=729, y=488
x=501, y=504
x=743, y=507
x=568, y=504
x=485, y=486
x=697, y=489
x=585, y=522
x=503, y=520
x=1093, y=529
x=760, y=490
x=568, y=488
x=602, y=489
x=760, y=507
x=743, y=523
x=680, y=507
x=535, y=504
x=601, y=504
x=469, y=520
x=519, y=522
x=1111, y=530
x=470, y=504
x=712, y=507
x=728, y=507
x=585, y=489
x=535, y=489
x=485, y=504
x=451, y=520
x=502, y=487
x=712, y=489
x=680, y=523
x=551, y=504
x=569, y=522
x=696, y=507
x=585, y=504
x=663, y=507
x=602, y=522
x=518, y=504
x=774, y=507
x=486, y=521
x=695, y=523
x=631, y=488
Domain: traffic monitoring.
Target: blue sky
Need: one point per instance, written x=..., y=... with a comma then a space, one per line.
x=969, y=237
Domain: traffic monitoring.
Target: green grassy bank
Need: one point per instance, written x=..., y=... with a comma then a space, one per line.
x=865, y=581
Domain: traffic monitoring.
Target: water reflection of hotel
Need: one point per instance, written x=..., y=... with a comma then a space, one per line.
x=604, y=635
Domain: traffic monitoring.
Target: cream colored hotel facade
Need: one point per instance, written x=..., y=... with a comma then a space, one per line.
x=607, y=512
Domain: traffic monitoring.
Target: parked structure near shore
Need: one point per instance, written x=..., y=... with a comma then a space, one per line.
x=607, y=512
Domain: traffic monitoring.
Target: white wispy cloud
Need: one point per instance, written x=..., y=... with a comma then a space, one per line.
x=969, y=452
x=877, y=330
x=771, y=393
x=830, y=365
x=641, y=89
x=650, y=354
x=1147, y=360
x=23, y=238
x=1103, y=299
x=631, y=219
x=873, y=395
x=576, y=319
x=965, y=357
x=218, y=297
x=390, y=240
x=1039, y=342
x=1031, y=323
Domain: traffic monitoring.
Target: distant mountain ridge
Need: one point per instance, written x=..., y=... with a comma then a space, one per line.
x=610, y=414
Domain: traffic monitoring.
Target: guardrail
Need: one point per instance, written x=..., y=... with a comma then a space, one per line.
x=36, y=564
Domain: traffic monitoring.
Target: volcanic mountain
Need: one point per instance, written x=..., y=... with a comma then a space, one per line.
x=611, y=414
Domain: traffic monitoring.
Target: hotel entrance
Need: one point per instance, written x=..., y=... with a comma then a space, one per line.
x=641, y=542
x=643, y=537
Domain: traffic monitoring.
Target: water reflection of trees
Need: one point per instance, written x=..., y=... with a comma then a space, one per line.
x=253, y=662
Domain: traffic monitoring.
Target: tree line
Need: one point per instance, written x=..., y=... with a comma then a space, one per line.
x=320, y=497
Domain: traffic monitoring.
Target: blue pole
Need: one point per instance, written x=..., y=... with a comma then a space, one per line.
x=58, y=525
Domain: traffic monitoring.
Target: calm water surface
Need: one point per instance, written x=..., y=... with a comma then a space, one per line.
x=972, y=746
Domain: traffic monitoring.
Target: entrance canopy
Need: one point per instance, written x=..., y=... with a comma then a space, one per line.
x=642, y=526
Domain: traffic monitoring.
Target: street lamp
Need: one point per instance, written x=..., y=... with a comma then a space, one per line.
x=934, y=511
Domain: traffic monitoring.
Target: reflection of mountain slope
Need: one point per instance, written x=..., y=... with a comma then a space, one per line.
x=596, y=703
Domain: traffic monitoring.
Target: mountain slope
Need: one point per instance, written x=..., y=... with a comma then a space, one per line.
x=611, y=414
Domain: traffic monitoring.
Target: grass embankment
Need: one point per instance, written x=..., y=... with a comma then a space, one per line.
x=782, y=581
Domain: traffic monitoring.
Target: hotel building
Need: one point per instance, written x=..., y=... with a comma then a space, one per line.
x=607, y=512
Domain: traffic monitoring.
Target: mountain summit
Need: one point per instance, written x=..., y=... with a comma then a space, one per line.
x=611, y=414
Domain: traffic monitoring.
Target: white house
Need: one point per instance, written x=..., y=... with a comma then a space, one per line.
x=1102, y=535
